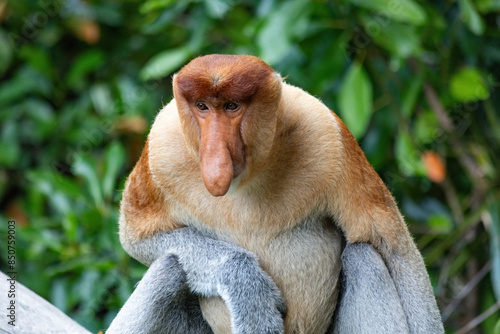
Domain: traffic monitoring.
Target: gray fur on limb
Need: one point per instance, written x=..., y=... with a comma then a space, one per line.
x=415, y=292
x=211, y=268
x=34, y=315
x=372, y=300
x=368, y=301
x=161, y=303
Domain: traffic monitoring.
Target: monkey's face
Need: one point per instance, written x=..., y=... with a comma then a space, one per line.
x=221, y=147
x=226, y=104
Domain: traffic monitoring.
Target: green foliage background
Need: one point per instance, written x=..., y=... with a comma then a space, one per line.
x=81, y=81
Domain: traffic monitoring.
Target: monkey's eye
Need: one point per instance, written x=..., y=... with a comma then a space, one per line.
x=232, y=106
x=201, y=106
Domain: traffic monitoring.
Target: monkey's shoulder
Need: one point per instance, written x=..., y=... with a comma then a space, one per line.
x=308, y=120
x=311, y=134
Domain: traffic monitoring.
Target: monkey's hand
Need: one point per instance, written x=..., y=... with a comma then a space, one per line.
x=216, y=268
x=253, y=300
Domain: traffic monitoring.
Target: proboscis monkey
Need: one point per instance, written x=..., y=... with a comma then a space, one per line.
x=246, y=191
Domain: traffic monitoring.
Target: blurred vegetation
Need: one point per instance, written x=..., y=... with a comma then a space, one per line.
x=416, y=82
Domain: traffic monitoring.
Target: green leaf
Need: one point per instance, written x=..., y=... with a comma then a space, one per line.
x=58, y=295
x=410, y=96
x=70, y=225
x=376, y=143
x=85, y=168
x=88, y=283
x=164, y=63
x=471, y=17
x=100, y=95
x=57, y=188
x=355, y=100
x=400, y=39
x=218, y=8
x=407, y=11
x=151, y=5
x=38, y=59
x=49, y=239
x=42, y=119
x=127, y=90
x=114, y=161
x=496, y=330
x=86, y=63
x=487, y=6
x=26, y=82
x=78, y=264
x=165, y=18
x=10, y=151
x=275, y=37
x=468, y=85
x=5, y=53
x=14, y=89
x=426, y=128
x=407, y=156
x=440, y=224
x=50, y=182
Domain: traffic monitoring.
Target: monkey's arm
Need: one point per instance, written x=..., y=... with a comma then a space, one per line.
x=367, y=213
x=212, y=268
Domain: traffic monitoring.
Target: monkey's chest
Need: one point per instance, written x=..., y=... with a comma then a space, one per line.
x=305, y=264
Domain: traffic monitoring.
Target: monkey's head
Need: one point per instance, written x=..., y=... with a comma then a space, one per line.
x=229, y=108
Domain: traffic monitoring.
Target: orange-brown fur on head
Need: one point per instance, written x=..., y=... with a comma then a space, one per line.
x=223, y=77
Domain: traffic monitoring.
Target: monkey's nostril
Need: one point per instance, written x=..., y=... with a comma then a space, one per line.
x=237, y=169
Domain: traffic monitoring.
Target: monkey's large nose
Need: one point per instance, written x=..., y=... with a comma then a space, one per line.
x=216, y=166
x=222, y=152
